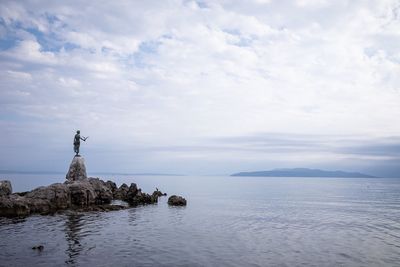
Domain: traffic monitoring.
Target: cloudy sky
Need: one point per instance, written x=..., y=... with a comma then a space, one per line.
x=201, y=87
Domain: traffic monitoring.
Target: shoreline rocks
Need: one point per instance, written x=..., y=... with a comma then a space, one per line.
x=92, y=194
x=121, y=192
x=77, y=193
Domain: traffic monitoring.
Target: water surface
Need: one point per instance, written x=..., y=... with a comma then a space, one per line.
x=229, y=221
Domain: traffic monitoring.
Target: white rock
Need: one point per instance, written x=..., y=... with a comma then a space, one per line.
x=77, y=170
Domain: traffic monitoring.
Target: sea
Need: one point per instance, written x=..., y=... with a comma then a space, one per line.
x=228, y=221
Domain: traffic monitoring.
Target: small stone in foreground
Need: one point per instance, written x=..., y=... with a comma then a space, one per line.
x=176, y=201
x=40, y=247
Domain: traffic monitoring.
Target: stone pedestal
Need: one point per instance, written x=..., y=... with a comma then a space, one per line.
x=77, y=170
x=5, y=188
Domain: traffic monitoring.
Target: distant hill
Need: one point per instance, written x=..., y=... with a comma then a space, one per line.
x=303, y=172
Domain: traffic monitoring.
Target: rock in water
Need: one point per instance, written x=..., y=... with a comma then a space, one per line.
x=40, y=247
x=135, y=196
x=132, y=192
x=48, y=199
x=77, y=170
x=104, y=194
x=5, y=188
x=158, y=193
x=82, y=193
x=121, y=192
x=14, y=206
x=112, y=186
x=176, y=201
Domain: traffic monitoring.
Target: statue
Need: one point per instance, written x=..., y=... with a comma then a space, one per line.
x=77, y=142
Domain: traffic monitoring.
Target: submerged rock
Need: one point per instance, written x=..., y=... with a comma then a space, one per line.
x=5, y=188
x=176, y=201
x=77, y=170
x=40, y=247
x=103, y=207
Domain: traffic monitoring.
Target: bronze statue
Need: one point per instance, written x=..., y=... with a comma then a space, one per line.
x=77, y=142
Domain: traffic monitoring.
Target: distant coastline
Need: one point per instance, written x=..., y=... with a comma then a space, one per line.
x=30, y=172
x=304, y=172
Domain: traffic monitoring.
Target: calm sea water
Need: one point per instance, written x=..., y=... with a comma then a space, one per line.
x=229, y=221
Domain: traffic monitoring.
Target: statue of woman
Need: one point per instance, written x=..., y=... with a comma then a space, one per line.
x=77, y=142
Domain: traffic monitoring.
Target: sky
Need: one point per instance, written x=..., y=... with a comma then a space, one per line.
x=201, y=87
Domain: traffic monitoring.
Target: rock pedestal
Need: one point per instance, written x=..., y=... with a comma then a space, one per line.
x=5, y=188
x=77, y=170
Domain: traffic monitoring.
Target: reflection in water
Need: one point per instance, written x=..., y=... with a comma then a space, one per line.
x=4, y=221
x=73, y=226
x=176, y=214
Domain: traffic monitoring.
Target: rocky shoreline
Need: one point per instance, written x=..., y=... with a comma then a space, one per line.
x=77, y=193
x=92, y=194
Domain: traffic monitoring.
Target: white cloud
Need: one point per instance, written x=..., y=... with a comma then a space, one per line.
x=312, y=3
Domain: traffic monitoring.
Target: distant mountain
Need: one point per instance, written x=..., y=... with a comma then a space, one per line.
x=303, y=172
